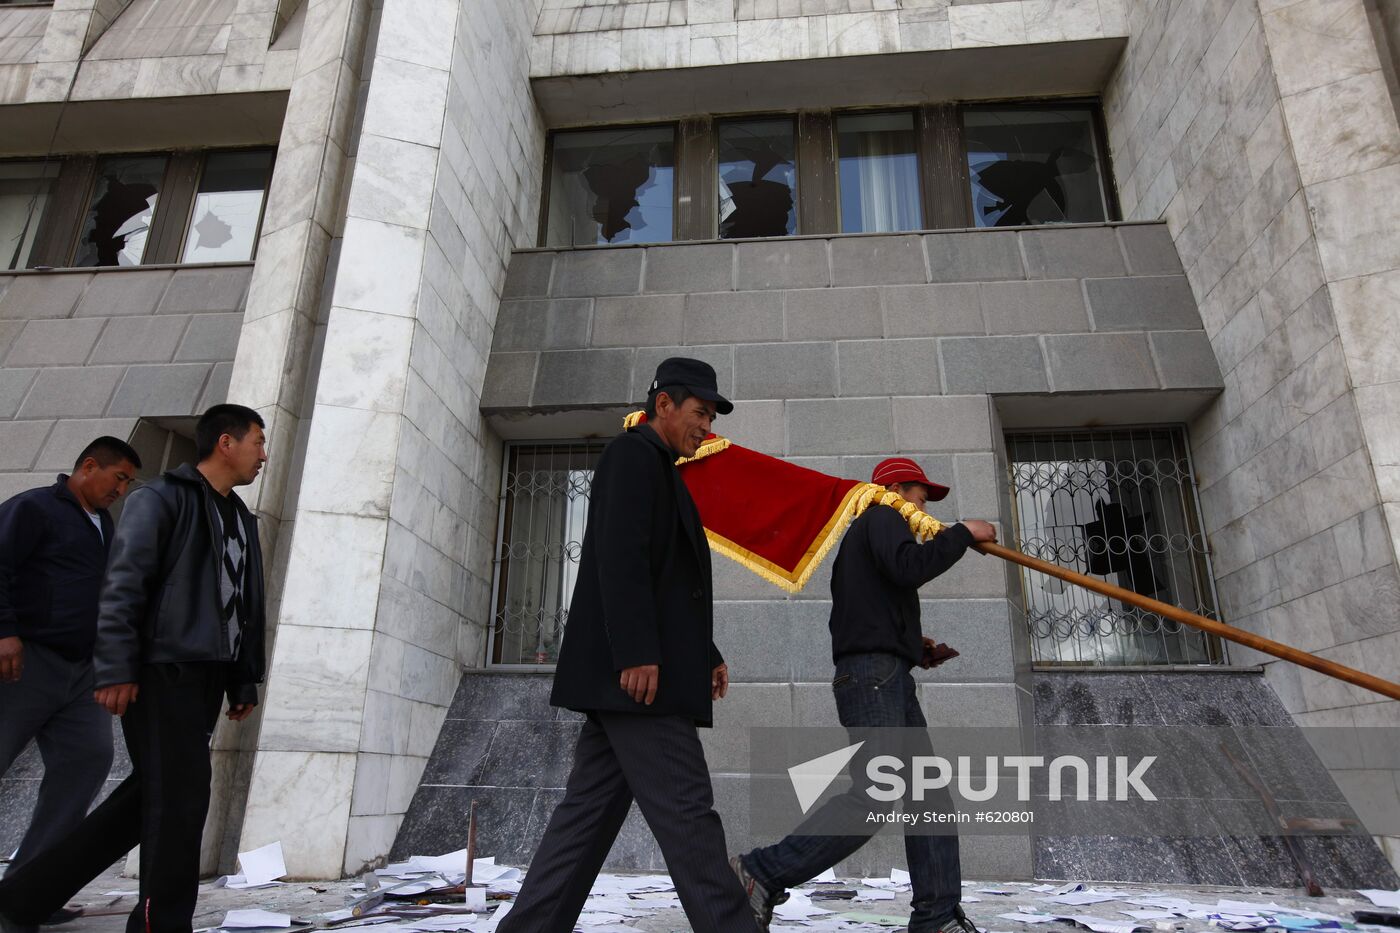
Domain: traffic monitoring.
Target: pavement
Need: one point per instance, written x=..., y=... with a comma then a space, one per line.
x=660, y=912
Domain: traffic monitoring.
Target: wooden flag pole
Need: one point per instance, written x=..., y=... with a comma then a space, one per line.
x=1177, y=614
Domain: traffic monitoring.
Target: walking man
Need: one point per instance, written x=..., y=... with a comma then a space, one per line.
x=53, y=550
x=638, y=660
x=875, y=641
x=180, y=625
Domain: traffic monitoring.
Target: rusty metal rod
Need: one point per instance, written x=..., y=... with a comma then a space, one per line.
x=1177, y=614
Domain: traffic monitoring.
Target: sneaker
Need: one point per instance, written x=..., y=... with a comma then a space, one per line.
x=958, y=923
x=761, y=902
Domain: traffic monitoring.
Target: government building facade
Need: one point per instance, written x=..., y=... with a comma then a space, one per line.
x=1125, y=274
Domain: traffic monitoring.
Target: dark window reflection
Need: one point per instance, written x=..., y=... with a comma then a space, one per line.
x=757, y=179
x=612, y=186
x=1033, y=166
x=118, y=220
x=224, y=223
x=879, y=172
x=25, y=189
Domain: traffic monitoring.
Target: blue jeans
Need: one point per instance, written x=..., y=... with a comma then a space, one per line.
x=872, y=690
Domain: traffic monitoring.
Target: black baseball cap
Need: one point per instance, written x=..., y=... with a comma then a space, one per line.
x=695, y=375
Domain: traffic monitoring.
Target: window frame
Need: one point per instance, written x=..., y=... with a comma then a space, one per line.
x=542, y=232
x=1098, y=130
x=204, y=154
x=919, y=161
x=797, y=166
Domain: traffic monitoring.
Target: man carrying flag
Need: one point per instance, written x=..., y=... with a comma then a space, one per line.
x=638, y=661
x=876, y=639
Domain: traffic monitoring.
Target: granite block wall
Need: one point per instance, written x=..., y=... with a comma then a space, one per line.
x=85, y=353
x=1217, y=124
x=839, y=351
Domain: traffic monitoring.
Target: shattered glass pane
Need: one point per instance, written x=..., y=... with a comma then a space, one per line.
x=25, y=189
x=1033, y=166
x=227, y=209
x=119, y=216
x=757, y=179
x=879, y=173
x=612, y=186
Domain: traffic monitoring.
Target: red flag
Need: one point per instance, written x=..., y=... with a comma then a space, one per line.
x=776, y=518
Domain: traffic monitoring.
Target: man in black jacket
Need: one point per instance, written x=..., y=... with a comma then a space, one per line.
x=180, y=625
x=53, y=549
x=876, y=640
x=638, y=660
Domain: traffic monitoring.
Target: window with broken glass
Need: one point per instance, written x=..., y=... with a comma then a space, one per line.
x=120, y=211
x=757, y=179
x=1119, y=505
x=544, y=505
x=1034, y=165
x=228, y=207
x=612, y=186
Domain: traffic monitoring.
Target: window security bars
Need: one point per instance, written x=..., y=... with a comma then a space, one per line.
x=544, y=506
x=1120, y=505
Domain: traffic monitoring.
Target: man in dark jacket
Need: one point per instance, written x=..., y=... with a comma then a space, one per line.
x=53, y=549
x=876, y=640
x=180, y=625
x=638, y=660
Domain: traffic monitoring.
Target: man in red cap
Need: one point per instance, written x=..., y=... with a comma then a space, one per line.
x=876, y=640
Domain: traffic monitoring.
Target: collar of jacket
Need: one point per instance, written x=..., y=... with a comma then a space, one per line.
x=696, y=535
x=61, y=491
x=648, y=432
x=187, y=473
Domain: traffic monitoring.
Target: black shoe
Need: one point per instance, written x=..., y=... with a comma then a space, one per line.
x=9, y=925
x=62, y=915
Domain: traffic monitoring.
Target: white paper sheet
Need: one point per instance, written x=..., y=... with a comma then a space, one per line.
x=1022, y=917
x=262, y=865
x=254, y=918
x=1382, y=898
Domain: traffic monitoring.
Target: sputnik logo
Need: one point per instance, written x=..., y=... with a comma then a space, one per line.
x=810, y=779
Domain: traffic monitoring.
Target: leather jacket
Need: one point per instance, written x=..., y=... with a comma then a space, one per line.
x=160, y=600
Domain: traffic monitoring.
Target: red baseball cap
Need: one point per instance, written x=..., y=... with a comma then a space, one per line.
x=903, y=470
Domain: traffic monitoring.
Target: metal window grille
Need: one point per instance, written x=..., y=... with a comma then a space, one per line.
x=544, y=506
x=1120, y=505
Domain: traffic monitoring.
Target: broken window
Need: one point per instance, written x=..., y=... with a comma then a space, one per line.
x=25, y=190
x=544, y=506
x=1120, y=505
x=879, y=173
x=757, y=179
x=117, y=225
x=1032, y=165
x=612, y=186
x=228, y=207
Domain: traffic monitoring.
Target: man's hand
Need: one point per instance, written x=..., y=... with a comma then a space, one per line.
x=719, y=682
x=240, y=711
x=935, y=654
x=640, y=682
x=11, y=658
x=981, y=531
x=116, y=698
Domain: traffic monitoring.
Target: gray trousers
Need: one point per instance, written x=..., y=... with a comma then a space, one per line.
x=52, y=706
x=657, y=761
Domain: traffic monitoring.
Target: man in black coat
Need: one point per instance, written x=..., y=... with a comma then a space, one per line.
x=638, y=661
x=53, y=551
x=180, y=626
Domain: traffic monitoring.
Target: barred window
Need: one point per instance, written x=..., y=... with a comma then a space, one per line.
x=544, y=506
x=1119, y=505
